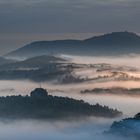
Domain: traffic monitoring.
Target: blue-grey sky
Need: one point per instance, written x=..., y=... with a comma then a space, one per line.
x=23, y=21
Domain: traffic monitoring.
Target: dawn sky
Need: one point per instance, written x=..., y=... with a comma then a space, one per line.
x=23, y=21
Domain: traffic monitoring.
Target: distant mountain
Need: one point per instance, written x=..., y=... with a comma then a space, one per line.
x=116, y=43
x=39, y=68
x=34, y=62
x=46, y=47
x=115, y=38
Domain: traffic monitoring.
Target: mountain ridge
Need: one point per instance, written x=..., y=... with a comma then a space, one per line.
x=108, y=44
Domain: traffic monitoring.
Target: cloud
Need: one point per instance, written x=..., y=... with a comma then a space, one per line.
x=68, y=16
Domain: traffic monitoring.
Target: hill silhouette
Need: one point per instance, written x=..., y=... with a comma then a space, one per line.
x=40, y=105
x=34, y=62
x=116, y=43
x=129, y=127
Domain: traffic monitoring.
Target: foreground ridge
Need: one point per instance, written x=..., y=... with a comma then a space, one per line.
x=40, y=105
x=128, y=127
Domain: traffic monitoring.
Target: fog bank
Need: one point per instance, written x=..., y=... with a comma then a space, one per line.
x=58, y=130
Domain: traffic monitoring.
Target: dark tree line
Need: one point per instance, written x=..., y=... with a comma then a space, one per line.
x=48, y=106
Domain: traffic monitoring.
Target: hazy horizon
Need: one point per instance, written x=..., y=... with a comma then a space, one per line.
x=25, y=21
x=15, y=42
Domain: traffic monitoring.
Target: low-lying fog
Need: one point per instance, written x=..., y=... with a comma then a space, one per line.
x=128, y=60
x=89, y=129
x=58, y=130
x=123, y=103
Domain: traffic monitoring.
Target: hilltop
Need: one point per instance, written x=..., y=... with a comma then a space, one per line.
x=41, y=105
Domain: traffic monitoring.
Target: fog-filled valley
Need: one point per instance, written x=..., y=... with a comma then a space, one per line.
x=71, y=130
x=109, y=81
x=69, y=70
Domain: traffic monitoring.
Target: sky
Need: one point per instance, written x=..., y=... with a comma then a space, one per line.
x=24, y=21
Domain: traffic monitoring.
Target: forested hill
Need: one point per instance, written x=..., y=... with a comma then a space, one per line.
x=128, y=128
x=40, y=105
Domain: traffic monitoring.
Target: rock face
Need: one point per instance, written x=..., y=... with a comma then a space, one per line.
x=39, y=93
x=129, y=127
